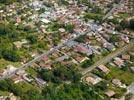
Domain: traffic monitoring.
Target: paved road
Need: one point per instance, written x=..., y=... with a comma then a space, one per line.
x=112, y=10
x=40, y=56
x=111, y=31
x=108, y=58
x=56, y=48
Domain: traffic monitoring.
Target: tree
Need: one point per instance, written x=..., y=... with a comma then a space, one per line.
x=4, y=85
x=27, y=28
x=68, y=92
x=55, y=26
x=11, y=55
x=4, y=29
x=8, y=98
x=64, y=2
x=69, y=27
x=124, y=24
x=43, y=45
x=56, y=80
x=116, y=1
x=16, y=89
x=77, y=77
x=114, y=21
x=96, y=9
x=7, y=1
x=96, y=17
x=86, y=64
x=118, y=28
x=32, y=95
x=81, y=39
x=86, y=2
x=114, y=38
x=101, y=86
x=32, y=39
x=45, y=74
x=131, y=24
x=105, y=52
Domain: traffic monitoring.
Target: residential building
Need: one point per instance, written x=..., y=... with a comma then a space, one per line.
x=104, y=69
x=92, y=79
x=110, y=93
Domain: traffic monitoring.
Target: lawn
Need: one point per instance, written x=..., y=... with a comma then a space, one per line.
x=4, y=63
x=125, y=15
x=118, y=91
x=32, y=71
x=27, y=86
x=124, y=76
x=4, y=93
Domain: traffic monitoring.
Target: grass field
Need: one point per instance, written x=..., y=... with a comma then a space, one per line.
x=4, y=63
x=124, y=76
x=27, y=86
x=4, y=93
x=125, y=15
x=32, y=71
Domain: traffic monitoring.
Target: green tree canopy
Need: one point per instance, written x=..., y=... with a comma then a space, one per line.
x=132, y=24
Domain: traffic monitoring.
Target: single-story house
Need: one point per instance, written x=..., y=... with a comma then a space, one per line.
x=110, y=93
x=93, y=79
x=104, y=69
x=40, y=81
x=125, y=57
x=118, y=61
x=117, y=82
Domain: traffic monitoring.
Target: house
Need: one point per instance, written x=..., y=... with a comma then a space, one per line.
x=26, y=78
x=109, y=46
x=1, y=73
x=72, y=43
x=99, y=28
x=117, y=82
x=18, y=20
x=68, y=62
x=46, y=21
x=62, y=30
x=110, y=93
x=3, y=97
x=24, y=41
x=45, y=58
x=104, y=69
x=10, y=69
x=45, y=65
x=62, y=58
x=17, y=79
x=20, y=72
x=82, y=49
x=132, y=98
x=131, y=54
x=119, y=62
x=34, y=54
x=125, y=38
x=125, y=57
x=96, y=27
x=12, y=96
x=18, y=44
x=132, y=68
x=43, y=30
x=40, y=81
x=93, y=79
x=131, y=88
x=36, y=4
x=80, y=58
